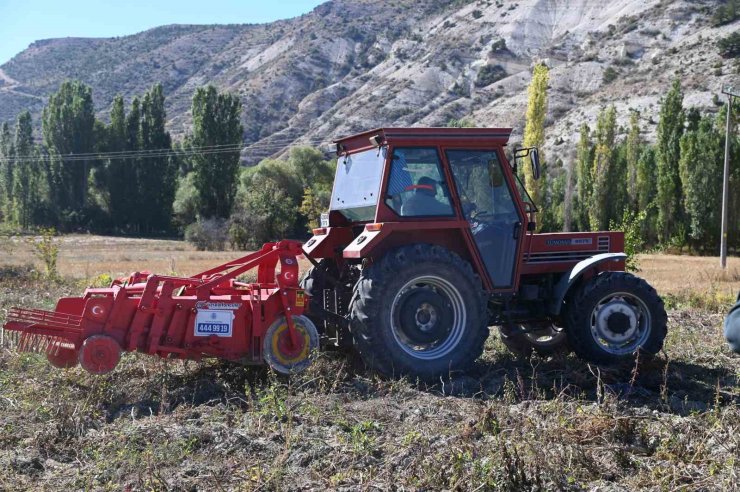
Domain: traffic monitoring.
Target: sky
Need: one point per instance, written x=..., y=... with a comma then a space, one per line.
x=25, y=21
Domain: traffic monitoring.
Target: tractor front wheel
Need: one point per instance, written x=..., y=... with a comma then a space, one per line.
x=419, y=311
x=614, y=316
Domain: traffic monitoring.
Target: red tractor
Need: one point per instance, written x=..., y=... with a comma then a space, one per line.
x=430, y=240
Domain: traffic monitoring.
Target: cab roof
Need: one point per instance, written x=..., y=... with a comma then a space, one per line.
x=419, y=136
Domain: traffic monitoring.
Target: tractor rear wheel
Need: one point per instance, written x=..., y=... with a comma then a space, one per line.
x=419, y=311
x=314, y=283
x=613, y=316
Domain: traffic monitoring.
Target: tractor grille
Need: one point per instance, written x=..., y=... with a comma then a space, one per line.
x=602, y=245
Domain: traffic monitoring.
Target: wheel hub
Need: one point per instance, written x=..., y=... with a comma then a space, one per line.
x=424, y=316
x=616, y=322
x=428, y=317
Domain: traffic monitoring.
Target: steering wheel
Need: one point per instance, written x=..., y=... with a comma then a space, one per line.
x=419, y=187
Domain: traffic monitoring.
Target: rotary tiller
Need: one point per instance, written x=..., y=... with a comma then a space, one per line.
x=210, y=314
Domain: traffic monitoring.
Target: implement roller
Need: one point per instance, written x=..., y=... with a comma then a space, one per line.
x=210, y=314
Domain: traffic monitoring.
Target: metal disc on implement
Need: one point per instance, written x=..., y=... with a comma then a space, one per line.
x=281, y=353
x=62, y=357
x=100, y=354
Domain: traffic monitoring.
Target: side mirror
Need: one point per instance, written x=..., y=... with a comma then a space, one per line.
x=534, y=157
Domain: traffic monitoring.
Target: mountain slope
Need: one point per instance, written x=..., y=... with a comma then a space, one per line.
x=350, y=65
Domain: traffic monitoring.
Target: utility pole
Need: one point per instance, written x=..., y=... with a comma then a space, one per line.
x=730, y=91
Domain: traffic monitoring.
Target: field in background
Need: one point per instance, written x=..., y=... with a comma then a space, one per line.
x=86, y=256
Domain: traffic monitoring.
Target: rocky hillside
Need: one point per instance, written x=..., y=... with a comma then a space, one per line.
x=350, y=65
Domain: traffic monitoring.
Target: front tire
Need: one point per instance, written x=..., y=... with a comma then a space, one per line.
x=420, y=311
x=613, y=316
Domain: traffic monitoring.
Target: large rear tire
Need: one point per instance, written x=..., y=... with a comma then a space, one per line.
x=614, y=316
x=419, y=311
x=314, y=283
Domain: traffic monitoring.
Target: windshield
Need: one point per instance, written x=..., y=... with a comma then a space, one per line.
x=357, y=184
x=524, y=195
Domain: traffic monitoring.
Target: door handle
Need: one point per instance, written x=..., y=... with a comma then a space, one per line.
x=517, y=226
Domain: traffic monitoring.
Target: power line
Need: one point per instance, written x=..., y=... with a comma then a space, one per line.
x=160, y=153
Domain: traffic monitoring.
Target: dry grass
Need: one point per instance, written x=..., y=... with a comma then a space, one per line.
x=673, y=274
x=557, y=424
x=86, y=256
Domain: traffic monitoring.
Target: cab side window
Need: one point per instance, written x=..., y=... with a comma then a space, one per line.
x=416, y=185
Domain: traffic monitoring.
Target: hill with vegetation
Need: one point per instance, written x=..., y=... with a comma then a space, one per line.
x=350, y=65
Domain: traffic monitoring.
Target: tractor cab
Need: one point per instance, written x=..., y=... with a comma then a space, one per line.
x=454, y=186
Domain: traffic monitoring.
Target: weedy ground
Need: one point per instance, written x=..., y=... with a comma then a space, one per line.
x=672, y=423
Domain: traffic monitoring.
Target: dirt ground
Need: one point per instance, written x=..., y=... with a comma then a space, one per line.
x=672, y=423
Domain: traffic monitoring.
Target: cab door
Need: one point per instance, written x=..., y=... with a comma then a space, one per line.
x=488, y=205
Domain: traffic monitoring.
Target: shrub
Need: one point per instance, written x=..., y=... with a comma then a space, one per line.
x=610, y=75
x=46, y=250
x=729, y=47
x=207, y=234
x=726, y=13
x=477, y=14
x=498, y=45
x=489, y=74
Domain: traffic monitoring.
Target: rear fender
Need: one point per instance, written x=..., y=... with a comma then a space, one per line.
x=329, y=244
x=566, y=282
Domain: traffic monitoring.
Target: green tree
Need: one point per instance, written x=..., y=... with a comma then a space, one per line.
x=702, y=184
x=534, y=129
x=633, y=149
x=119, y=172
x=304, y=181
x=601, y=170
x=553, y=198
x=584, y=183
x=25, y=182
x=216, y=122
x=68, y=123
x=6, y=172
x=157, y=176
x=646, y=190
x=668, y=153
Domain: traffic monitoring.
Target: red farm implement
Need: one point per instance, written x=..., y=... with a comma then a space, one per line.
x=210, y=314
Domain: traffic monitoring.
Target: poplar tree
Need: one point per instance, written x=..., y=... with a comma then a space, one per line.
x=534, y=130
x=702, y=183
x=157, y=179
x=216, y=121
x=24, y=175
x=569, y=198
x=133, y=143
x=632, y=156
x=119, y=172
x=601, y=170
x=646, y=189
x=68, y=123
x=668, y=153
x=584, y=184
x=6, y=172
